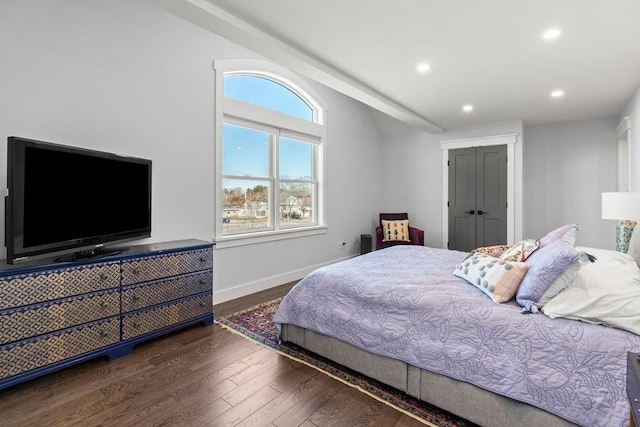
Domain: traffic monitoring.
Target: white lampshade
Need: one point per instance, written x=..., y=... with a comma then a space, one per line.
x=621, y=206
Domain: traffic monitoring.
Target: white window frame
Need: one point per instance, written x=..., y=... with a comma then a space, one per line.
x=238, y=112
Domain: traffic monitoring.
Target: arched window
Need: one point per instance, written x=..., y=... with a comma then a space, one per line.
x=270, y=138
x=266, y=93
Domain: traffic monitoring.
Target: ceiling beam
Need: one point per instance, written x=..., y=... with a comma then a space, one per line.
x=217, y=20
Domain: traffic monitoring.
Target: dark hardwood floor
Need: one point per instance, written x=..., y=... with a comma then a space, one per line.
x=200, y=376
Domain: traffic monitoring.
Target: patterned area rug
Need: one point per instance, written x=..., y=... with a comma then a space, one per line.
x=256, y=324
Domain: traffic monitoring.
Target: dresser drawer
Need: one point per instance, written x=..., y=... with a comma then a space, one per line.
x=30, y=321
x=136, y=297
x=55, y=315
x=35, y=353
x=155, y=267
x=27, y=289
x=142, y=322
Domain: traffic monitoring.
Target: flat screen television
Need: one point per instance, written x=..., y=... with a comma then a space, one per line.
x=69, y=200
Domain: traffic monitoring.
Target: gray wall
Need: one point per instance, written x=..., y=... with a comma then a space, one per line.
x=412, y=173
x=128, y=77
x=567, y=167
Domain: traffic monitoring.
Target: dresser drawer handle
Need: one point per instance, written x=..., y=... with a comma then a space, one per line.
x=135, y=272
x=103, y=277
x=104, y=305
x=202, y=259
x=202, y=281
x=103, y=334
x=135, y=298
x=136, y=325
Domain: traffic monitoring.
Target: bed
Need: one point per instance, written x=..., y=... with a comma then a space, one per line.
x=551, y=355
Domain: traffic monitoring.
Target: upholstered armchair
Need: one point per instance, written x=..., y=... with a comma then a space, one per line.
x=413, y=236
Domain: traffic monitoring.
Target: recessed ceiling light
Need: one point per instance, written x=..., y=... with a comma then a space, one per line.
x=467, y=108
x=423, y=67
x=557, y=93
x=552, y=33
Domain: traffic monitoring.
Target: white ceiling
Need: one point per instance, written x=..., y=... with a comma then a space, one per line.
x=490, y=54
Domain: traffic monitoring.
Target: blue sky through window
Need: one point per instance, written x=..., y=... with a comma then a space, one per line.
x=295, y=159
x=266, y=93
x=246, y=151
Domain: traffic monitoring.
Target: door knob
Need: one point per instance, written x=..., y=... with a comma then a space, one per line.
x=481, y=212
x=471, y=212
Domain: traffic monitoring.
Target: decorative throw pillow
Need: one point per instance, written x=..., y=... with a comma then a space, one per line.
x=566, y=233
x=395, y=230
x=497, y=278
x=521, y=250
x=545, y=266
x=494, y=251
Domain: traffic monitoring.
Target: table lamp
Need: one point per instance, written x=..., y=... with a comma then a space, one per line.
x=624, y=207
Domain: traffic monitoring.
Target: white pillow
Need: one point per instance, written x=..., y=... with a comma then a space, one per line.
x=569, y=276
x=634, y=244
x=605, y=292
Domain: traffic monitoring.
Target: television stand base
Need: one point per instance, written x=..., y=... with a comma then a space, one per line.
x=89, y=254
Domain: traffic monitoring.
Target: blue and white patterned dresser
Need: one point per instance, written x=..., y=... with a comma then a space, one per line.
x=54, y=315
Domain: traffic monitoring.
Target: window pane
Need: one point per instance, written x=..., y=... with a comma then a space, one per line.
x=296, y=159
x=296, y=204
x=245, y=151
x=268, y=94
x=245, y=205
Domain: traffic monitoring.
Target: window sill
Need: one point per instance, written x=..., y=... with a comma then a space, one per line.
x=231, y=241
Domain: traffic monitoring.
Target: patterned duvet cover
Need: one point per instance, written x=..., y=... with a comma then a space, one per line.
x=404, y=302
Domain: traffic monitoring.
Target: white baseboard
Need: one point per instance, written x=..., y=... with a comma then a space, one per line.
x=263, y=284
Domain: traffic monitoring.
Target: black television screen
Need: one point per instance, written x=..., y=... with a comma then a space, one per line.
x=65, y=199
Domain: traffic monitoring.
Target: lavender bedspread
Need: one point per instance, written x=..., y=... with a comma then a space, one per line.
x=404, y=302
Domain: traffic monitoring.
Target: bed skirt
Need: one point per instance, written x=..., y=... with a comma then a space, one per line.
x=460, y=398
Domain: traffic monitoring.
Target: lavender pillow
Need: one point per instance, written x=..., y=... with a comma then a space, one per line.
x=566, y=233
x=545, y=266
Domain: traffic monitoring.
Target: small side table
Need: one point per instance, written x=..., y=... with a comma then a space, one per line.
x=633, y=387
